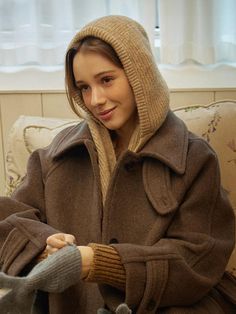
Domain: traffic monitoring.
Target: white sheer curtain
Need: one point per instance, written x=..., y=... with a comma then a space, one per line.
x=199, y=30
x=37, y=32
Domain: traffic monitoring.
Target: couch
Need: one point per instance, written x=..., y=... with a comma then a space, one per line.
x=215, y=122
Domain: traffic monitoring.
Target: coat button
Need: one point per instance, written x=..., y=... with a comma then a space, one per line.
x=129, y=166
x=113, y=241
x=151, y=305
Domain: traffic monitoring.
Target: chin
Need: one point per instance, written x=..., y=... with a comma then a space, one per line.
x=111, y=127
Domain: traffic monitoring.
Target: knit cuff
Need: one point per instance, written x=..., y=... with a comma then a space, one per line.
x=106, y=267
x=57, y=272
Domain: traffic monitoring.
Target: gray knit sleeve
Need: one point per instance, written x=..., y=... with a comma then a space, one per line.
x=54, y=274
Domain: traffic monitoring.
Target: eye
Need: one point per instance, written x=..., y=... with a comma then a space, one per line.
x=107, y=80
x=83, y=88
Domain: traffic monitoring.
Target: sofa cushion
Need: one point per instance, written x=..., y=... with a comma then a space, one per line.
x=216, y=123
x=27, y=134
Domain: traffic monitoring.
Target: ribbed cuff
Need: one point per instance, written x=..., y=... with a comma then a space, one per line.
x=107, y=267
x=58, y=271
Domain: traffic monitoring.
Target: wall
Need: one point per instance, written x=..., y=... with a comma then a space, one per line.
x=55, y=104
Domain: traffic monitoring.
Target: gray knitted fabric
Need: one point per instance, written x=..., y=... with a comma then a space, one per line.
x=54, y=274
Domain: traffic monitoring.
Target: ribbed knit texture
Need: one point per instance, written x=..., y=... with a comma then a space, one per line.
x=107, y=267
x=130, y=41
x=54, y=274
x=106, y=153
x=57, y=272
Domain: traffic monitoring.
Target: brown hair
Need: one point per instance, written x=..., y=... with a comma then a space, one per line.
x=87, y=44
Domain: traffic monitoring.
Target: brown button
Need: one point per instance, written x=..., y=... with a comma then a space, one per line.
x=113, y=241
x=130, y=166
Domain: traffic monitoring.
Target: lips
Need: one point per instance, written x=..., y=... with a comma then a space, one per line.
x=106, y=114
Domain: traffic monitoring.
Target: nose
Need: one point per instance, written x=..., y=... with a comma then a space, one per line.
x=98, y=96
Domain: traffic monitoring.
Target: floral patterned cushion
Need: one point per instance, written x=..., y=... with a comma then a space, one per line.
x=216, y=123
x=26, y=135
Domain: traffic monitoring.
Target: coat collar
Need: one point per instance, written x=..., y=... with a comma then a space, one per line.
x=169, y=144
x=72, y=137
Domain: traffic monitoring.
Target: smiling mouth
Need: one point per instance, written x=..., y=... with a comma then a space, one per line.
x=106, y=114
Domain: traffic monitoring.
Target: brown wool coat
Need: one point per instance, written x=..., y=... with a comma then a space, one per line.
x=165, y=214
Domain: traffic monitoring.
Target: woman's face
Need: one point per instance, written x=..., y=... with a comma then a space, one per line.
x=106, y=91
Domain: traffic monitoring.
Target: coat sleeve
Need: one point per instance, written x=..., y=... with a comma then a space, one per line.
x=184, y=265
x=23, y=228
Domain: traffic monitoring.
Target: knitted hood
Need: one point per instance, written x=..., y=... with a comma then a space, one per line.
x=130, y=41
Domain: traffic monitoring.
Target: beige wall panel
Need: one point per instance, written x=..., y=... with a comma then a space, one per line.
x=179, y=99
x=2, y=171
x=14, y=105
x=225, y=95
x=56, y=106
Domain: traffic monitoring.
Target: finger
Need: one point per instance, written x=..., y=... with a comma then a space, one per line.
x=56, y=240
x=50, y=250
x=69, y=238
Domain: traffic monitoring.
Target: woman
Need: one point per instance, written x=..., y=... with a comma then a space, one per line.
x=138, y=194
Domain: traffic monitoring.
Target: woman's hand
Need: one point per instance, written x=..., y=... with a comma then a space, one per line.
x=87, y=256
x=58, y=241
x=54, y=243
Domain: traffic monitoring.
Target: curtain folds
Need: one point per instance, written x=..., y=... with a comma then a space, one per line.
x=37, y=32
x=200, y=30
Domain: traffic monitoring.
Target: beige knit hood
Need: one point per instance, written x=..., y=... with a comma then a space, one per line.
x=130, y=41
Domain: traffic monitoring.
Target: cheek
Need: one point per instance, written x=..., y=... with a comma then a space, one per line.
x=130, y=98
x=87, y=100
x=125, y=93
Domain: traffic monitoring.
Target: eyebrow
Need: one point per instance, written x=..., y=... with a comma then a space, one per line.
x=97, y=75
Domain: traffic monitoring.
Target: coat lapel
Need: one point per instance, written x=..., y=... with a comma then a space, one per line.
x=169, y=144
x=74, y=136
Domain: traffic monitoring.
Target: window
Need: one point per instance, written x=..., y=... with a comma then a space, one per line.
x=201, y=31
x=34, y=34
x=37, y=32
